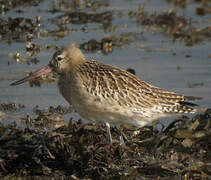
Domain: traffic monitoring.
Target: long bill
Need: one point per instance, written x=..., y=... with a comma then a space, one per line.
x=43, y=71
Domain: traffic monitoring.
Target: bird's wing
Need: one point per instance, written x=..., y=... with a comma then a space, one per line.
x=126, y=89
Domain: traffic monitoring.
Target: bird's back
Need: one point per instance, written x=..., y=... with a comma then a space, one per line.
x=110, y=92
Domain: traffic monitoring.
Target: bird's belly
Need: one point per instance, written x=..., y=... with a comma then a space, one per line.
x=97, y=109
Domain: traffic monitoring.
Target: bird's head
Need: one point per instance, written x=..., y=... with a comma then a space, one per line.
x=62, y=62
x=66, y=59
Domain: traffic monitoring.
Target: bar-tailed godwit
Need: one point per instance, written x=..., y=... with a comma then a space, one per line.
x=107, y=94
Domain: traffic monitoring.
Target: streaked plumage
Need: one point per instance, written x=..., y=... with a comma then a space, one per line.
x=105, y=93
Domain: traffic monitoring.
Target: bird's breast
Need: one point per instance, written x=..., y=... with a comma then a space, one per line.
x=75, y=93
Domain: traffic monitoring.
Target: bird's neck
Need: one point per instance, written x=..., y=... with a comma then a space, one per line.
x=73, y=66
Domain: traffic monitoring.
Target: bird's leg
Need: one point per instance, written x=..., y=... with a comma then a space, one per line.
x=121, y=140
x=122, y=136
x=108, y=129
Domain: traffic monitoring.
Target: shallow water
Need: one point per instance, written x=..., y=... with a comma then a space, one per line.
x=155, y=57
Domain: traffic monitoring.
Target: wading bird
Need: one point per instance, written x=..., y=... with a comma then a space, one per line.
x=107, y=94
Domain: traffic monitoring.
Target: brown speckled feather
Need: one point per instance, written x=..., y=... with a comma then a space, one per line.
x=105, y=93
x=129, y=90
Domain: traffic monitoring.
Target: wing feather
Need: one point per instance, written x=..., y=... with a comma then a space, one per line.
x=120, y=85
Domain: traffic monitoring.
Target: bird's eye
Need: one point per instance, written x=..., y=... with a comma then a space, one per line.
x=60, y=57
